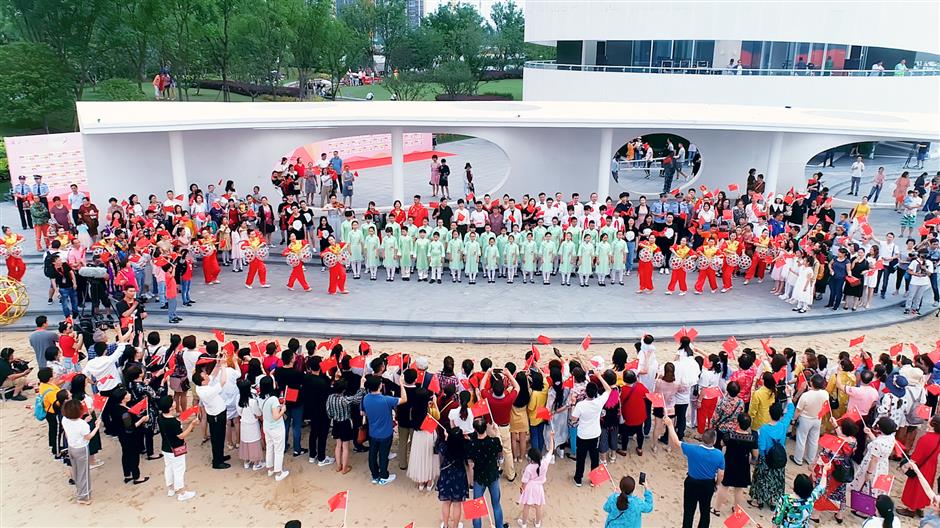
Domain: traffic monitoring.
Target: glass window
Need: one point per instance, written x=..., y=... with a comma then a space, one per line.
x=619, y=52
x=751, y=53
x=781, y=56
x=835, y=57
x=682, y=53
x=641, y=52
x=662, y=51
x=704, y=53
x=817, y=57
x=801, y=55
x=568, y=52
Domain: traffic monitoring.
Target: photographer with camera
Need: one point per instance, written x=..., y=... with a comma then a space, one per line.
x=920, y=270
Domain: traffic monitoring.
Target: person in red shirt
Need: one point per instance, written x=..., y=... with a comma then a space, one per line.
x=633, y=410
x=67, y=343
x=500, y=400
x=418, y=212
x=186, y=277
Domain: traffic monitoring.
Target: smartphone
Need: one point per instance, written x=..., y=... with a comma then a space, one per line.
x=642, y=478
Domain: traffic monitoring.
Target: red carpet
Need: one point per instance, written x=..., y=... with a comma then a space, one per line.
x=355, y=163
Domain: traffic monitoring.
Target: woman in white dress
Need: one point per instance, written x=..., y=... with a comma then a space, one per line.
x=879, y=448
x=871, y=277
x=805, y=284
x=238, y=257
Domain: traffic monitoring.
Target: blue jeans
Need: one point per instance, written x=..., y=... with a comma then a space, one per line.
x=171, y=308
x=573, y=440
x=378, y=456
x=874, y=192
x=69, y=299
x=835, y=291
x=294, y=420
x=478, y=490
x=537, y=436
x=631, y=254
x=161, y=289
x=139, y=276
x=184, y=290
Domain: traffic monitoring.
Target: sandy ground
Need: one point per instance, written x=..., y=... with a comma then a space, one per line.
x=235, y=497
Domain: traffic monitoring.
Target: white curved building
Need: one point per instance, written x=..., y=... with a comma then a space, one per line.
x=800, y=54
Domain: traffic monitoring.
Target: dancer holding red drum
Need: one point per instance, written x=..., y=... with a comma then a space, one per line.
x=759, y=260
x=335, y=257
x=255, y=251
x=647, y=250
x=680, y=254
x=210, y=260
x=297, y=251
x=730, y=249
x=708, y=257
x=12, y=249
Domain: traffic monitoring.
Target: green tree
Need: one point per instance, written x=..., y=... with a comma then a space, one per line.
x=455, y=78
x=308, y=19
x=463, y=36
x=341, y=49
x=120, y=90
x=182, y=35
x=127, y=33
x=509, y=33
x=34, y=91
x=360, y=18
x=406, y=86
x=261, y=41
x=218, y=38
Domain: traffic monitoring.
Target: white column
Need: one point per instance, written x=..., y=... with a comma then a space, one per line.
x=603, y=163
x=398, y=165
x=773, y=164
x=178, y=164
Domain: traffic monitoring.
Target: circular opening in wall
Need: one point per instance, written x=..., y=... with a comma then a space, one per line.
x=369, y=160
x=646, y=162
x=872, y=170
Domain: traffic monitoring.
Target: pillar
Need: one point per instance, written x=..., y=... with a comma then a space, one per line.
x=603, y=163
x=398, y=165
x=773, y=164
x=178, y=164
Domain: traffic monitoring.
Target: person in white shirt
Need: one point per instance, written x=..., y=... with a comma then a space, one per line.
x=169, y=205
x=77, y=434
x=647, y=368
x=323, y=163
x=478, y=218
x=888, y=251
x=282, y=166
x=877, y=69
x=588, y=412
x=578, y=206
x=104, y=371
x=808, y=421
x=461, y=416
x=75, y=202
x=209, y=389
x=920, y=270
x=511, y=216
x=858, y=169
x=687, y=374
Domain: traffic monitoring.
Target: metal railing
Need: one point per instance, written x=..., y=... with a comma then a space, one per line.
x=705, y=70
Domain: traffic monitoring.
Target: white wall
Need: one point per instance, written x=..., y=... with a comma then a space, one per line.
x=900, y=24
x=889, y=94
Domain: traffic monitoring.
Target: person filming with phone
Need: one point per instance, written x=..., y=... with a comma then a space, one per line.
x=625, y=509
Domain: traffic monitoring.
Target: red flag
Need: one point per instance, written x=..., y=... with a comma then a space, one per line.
x=481, y=408
x=680, y=334
x=933, y=389
x=410, y=525
x=586, y=342
x=730, y=345
x=738, y=518
x=543, y=413
x=780, y=375
x=633, y=365
x=656, y=399
x=358, y=362
x=898, y=450
x=337, y=501
x=824, y=504
x=67, y=377
x=229, y=348
x=394, y=360
x=543, y=340
x=328, y=364
x=329, y=344
x=291, y=394
x=711, y=393
x=475, y=508
x=733, y=187
x=255, y=350
x=599, y=475
x=914, y=350
x=691, y=333
x=219, y=335
x=852, y=415
x=934, y=356
x=465, y=383
x=923, y=412
x=568, y=383
x=188, y=413
x=800, y=381
x=765, y=343
x=429, y=425
x=896, y=349
x=826, y=409
x=98, y=401
x=435, y=384
x=535, y=352
x=364, y=347
x=884, y=483
x=126, y=322
x=857, y=341
x=830, y=442
x=105, y=379
x=139, y=407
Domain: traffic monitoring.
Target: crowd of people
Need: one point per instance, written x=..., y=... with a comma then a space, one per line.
x=467, y=429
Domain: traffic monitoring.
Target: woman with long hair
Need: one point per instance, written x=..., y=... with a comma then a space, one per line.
x=519, y=418
x=624, y=509
x=78, y=433
x=667, y=386
x=78, y=393
x=249, y=447
x=452, y=484
x=275, y=433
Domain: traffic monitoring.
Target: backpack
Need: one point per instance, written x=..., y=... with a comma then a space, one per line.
x=47, y=268
x=843, y=470
x=776, y=456
x=911, y=417
x=39, y=407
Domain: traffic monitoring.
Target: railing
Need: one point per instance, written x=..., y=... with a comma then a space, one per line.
x=703, y=70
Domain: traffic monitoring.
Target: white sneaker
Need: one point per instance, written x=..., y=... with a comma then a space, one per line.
x=270, y=472
x=170, y=492
x=246, y=464
x=391, y=478
x=186, y=496
x=392, y=456
x=282, y=475
x=326, y=461
x=257, y=467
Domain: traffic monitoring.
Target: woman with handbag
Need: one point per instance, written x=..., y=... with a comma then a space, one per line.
x=914, y=498
x=855, y=281
x=78, y=433
x=275, y=434
x=875, y=462
x=174, y=449
x=838, y=466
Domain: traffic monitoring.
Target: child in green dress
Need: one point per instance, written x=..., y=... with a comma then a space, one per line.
x=566, y=259
x=491, y=260
x=511, y=258
x=547, y=257
x=455, y=256
x=371, y=245
x=585, y=260
x=471, y=251
x=406, y=251
x=421, y=255
x=390, y=253
x=619, y=249
x=436, y=257
x=529, y=249
x=354, y=240
x=604, y=260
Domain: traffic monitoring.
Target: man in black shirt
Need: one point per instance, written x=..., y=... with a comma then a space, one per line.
x=403, y=413
x=64, y=279
x=797, y=212
x=623, y=207
x=316, y=389
x=290, y=379
x=443, y=212
x=129, y=307
x=483, y=455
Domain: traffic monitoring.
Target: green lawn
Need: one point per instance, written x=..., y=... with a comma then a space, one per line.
x=511, y=87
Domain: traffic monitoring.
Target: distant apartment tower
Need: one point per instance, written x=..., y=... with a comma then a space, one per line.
x=414, y=9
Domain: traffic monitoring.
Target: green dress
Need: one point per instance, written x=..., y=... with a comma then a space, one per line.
x=501, y=242
x=602, y=252
x=442, y=232
x=491, y=257
x=485, y=238
x=529, y=252
x=566, y=254
x=455, y=254
x=619, y=248
x=344, y=230
x=354, y=240
x=538, y=233
x=396, y=228
x=471, y=251
x=511, y=256
x=389, y=248
x=557, y=233
x=412, y=231
x=576, y=236
x=436, y=254
x=421, y=254
x=586, y=254
x=547, y=254
x=372, y=251
x=406, y=248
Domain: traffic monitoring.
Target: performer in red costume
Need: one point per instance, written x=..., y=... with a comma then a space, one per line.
x=709, y=251
x=13, y=249
x=680, y=252
x=731, y=250
x=338, y=268
x=256, y=251
x=296, y=252
x=759, y=260
x=645, y=269
x=210, y=259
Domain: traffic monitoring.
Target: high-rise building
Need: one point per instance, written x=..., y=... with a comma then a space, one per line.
x=414, y=9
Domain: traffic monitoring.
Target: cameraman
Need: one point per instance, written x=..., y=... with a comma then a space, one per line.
x=96, y=275
x=920, y=270
x=131, y=313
